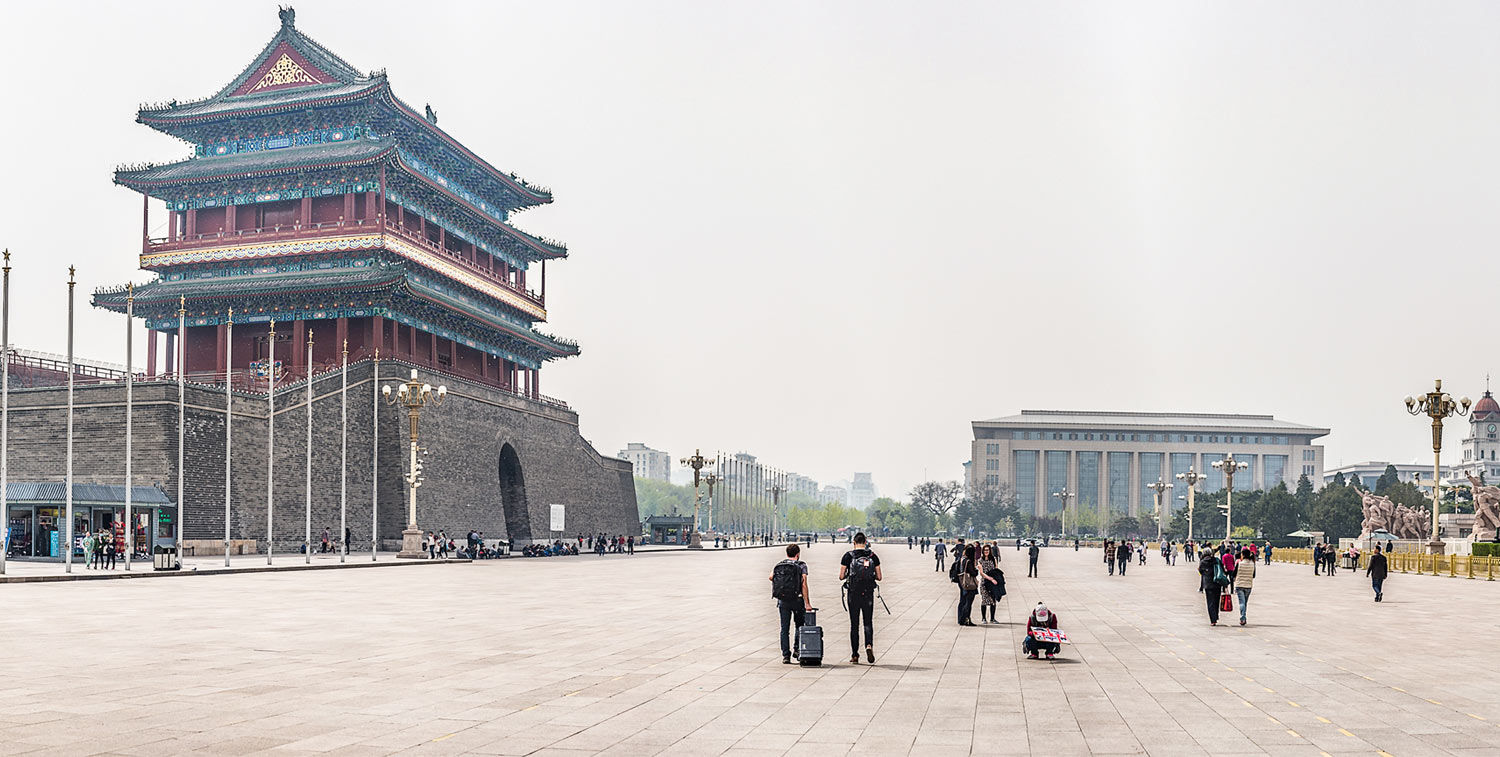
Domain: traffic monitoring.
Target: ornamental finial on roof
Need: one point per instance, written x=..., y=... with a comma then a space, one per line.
x=431, y=115
x=288, y=15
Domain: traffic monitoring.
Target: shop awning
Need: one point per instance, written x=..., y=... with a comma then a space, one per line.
x=52, y=493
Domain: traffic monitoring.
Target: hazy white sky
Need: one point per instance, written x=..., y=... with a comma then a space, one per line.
x=832, y=234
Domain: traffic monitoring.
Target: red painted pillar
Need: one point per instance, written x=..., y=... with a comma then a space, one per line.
x=432, y=350
x=304, y=213
x=536, y=382
x=219, y=344
x=299, y=346
x=369, y=208
x=544, y=282
x=341, y=337
x=348, y=208
x=484, y=364
x=146, y=225
x=229, y=219
x=150, y=352
x=192, y=224
x=171, y=226
x=377, y=334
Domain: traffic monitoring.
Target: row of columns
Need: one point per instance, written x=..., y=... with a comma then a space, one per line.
x=188, y=219
x=421, y=349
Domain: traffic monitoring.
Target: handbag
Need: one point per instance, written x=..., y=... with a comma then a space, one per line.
x=1225, y=603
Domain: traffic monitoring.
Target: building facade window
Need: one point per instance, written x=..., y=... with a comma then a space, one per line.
x=1308, y=456
x=1119, y=482
x=1181, y=461
x=1275, y=472
x=992, y=464
x=1088, y=480
x=1215, y=480
x=1025, y=478
x=1245, y=480
x=1151, y=470
x=991, y=449
x=1056, y=477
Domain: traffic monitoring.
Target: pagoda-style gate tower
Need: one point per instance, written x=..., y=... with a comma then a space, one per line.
x=316, y=198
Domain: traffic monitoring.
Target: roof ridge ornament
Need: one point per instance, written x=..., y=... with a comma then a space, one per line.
x=288, y=16
x=431, y=115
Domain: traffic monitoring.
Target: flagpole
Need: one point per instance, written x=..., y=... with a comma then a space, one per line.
x=181, y=420
x=307, y=536
x=375, y=461
x=344, y=460
x=270, y=436
x=228, y=423
x=129, y=397
x=68, y=474
x=5, y=413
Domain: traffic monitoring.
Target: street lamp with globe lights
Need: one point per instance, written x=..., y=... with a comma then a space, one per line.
x=1229, y=466
x=413, y=395
x=1065, y=495
x=1437, y=405
x=1191, y=479
x=1160, y=488
x=697, y=462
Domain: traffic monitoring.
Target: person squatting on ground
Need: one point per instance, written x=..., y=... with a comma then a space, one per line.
x=1214, y=580
x=789, y=587
x=1244, y=579
x=1040, y=617
x=1377, y=572
x=860, y=569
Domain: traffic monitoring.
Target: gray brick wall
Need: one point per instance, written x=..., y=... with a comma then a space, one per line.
x=464, y=438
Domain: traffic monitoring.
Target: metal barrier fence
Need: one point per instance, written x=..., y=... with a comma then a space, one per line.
x=1453, y=566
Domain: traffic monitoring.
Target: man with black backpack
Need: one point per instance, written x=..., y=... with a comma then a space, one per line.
x=860, y=569
x=789, y=587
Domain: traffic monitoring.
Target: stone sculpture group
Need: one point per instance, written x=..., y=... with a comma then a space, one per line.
x=1403, y=522
x=1486, y=510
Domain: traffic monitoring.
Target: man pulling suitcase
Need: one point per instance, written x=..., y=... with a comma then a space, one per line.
x=793, y=602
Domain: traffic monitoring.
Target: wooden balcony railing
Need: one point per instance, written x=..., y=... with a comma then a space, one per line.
x=297, y=232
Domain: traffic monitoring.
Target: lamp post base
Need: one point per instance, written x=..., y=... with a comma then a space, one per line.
x=1436, y=547
x=696, y=542
x=411, y=544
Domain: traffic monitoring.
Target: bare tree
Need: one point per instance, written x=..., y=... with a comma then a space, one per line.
x=939, y=497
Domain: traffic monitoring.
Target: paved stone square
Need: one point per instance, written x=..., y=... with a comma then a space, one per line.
x=676, y=653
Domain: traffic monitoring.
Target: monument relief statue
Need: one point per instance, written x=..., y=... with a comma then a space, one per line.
x=1377, y=511
x=1486, y=510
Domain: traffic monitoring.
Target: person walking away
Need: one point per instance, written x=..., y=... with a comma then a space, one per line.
x=1040, y=617
x=630, y=544
x=1109, y=555
x=1317, y=560
x=1376, y=572
x=989, y=576
x=1244, y=579
x=1331, y=554
x=939, y=552
x=1122, y=556
x=789, y=587
x=1268, y=551
x=1031, y=555
x=1214, y=579
x=968, y=586
x=860, y=568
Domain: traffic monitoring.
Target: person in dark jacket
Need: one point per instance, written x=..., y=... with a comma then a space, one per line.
x=968, y=586
x=1032, y=553
x=1109, y=555
x=1377, y=571
x=1211, y=588
x=1122, y=555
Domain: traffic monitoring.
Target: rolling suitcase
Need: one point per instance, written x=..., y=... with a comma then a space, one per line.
x=810, y=641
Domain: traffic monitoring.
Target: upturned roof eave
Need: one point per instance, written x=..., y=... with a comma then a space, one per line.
x=132, y=180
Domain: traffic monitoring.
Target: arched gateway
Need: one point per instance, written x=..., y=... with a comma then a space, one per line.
x=513, y=497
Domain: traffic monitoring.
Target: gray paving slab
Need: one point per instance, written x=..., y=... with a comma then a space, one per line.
x=675, y=653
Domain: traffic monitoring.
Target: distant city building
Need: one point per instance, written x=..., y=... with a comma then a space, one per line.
x=796, y=482
x=647, y=462
x=1481, y=449
x=831, y=494
x=1109, y=457
x=862, y=492
x=1369, y=472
